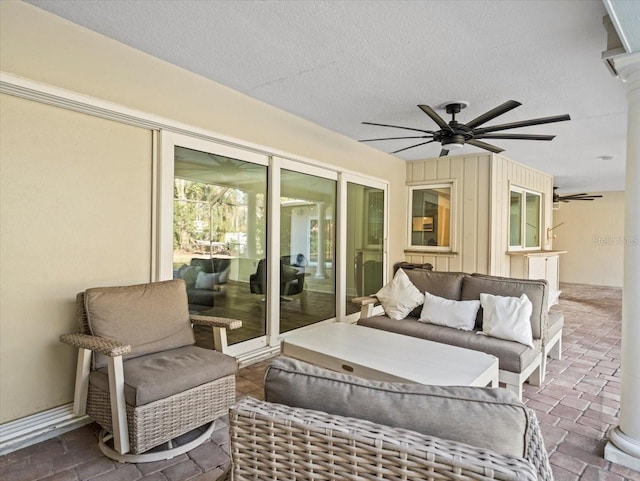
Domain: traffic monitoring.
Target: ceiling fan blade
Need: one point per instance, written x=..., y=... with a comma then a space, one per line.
x=523, y=123
x=485, y=146
x=399, y=127
x=435, y=117
x=493, y=113
x=581, y=197
x=443, y=153
x=398, y=138
x=411, y=147
x=515, y=136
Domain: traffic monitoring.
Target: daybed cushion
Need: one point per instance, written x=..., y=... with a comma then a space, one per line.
x=150, y=317
x=163, y=374
x=535, y=290
x=488, y=418
x=512, y=356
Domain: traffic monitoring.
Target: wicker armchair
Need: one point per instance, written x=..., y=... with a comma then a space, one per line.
x=273, y=441
x=139, y=374
x=324, y=425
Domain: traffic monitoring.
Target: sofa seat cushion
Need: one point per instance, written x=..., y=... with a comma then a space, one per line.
x=556, y=322
x=149, y=317
x=163, y=374
x=512, y=356
x=488, y=418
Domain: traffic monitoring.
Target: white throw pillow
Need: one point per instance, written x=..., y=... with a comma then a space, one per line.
x=204, y=280
x=507, y=318
x=399, y=297
x=450, y=313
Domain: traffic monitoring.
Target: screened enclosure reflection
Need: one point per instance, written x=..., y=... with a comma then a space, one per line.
x=219, y=236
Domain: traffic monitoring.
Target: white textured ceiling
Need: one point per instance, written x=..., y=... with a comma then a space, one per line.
x=338, y=63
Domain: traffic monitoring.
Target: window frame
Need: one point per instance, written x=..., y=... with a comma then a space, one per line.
x=523, y=191
x=445, y=183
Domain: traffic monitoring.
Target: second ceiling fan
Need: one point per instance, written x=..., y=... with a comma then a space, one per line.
x=453, y=135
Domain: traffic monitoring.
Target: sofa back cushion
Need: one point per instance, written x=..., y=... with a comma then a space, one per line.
x=441, y=284
x=150, y=317
x=535, y=290
x=488, y=418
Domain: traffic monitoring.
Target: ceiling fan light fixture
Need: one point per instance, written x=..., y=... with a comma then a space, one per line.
x=452, y=146
x=454, y=142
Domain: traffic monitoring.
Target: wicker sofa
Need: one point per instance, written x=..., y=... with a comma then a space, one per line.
x=517, y=362
x=323, y=425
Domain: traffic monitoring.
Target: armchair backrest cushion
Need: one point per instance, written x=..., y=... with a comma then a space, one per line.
x=488, y=418
x=150, y=317
x=536, y=290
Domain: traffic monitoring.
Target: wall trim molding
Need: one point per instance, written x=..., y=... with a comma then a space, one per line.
x=39, y=427
x=21, y=87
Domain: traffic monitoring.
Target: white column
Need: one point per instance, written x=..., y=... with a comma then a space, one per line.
x=321, y=270
x=624, y=440
x=251, y=224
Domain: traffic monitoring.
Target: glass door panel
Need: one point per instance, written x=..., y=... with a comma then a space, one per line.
x=219, y=239
x=307, y=249
x=365, y=242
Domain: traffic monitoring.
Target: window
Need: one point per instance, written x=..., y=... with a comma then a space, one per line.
x=524, y=219
x=430, y=217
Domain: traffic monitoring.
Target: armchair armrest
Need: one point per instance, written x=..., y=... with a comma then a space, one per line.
x=216, y=321
x=103, y=345
x=363, y=301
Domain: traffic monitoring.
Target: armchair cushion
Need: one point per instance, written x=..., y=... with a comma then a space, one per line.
x=488, y=418
x=149, y=317
x=163, y=374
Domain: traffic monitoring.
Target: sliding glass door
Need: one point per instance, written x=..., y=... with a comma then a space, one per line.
x=219, y=238
x=307, y=249
x=365, y=237
x=276, y=243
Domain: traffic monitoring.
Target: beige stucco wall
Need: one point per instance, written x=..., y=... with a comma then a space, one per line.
x=76, y=207
x=593, y=236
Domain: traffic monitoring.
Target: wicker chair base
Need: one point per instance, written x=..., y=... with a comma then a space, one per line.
x=161, y=421
x=155, y=454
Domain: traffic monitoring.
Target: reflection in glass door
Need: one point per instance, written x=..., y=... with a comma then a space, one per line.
x=219, y=239
x=307, y=249
x=365, y=242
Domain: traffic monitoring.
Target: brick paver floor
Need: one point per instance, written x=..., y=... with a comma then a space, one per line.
x=576, y=406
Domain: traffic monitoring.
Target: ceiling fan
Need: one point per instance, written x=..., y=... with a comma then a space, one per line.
x=453, y=135
x=567, y=198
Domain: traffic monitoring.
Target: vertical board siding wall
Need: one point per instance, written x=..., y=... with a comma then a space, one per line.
x=480, y=214
x=504, y=174
x=470, y=213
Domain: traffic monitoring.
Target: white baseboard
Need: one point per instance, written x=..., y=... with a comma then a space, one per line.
x=39, y=427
